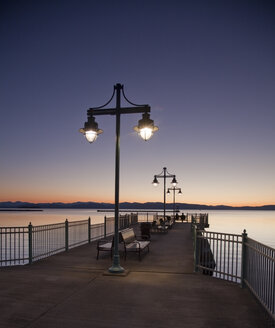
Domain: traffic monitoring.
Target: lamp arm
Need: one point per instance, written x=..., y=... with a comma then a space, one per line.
x=160, y=175
x=108, y=102
x=131, y=103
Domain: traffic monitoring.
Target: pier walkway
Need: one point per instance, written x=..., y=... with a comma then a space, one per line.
x=70, y=290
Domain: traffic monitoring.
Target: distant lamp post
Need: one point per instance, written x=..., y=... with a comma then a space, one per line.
x=145, y=128
x=174, y=182
x=164, y=174
x=174, y=197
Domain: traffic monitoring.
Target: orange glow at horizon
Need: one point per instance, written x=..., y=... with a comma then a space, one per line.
x=71, y=199
x=76, y=188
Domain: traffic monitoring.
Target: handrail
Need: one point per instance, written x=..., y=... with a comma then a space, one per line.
x=23, y=245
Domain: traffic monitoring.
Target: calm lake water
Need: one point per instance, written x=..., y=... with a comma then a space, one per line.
x=260, y=225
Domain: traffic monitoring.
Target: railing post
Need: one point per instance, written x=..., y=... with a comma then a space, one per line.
x=193, y=225
x=105, y=226
x=30, y=242
x=195, y=249
x=243, y=272
x=66, y=235
x=89, y=230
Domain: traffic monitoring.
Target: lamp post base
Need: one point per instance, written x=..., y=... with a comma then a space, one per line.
x=121, y=274
x=116, y=268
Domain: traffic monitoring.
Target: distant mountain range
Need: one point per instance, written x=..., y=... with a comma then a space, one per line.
x=127, y=205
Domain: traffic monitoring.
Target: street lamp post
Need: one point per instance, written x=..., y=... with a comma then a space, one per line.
x=164, y=174
x=145, y=128
x=174, y=196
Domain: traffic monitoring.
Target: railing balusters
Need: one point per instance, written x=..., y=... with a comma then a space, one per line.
x=30, y=243
x=89, y=230
x=239, y=259
x=5, y=245
x=66, y=235
x=22, y=245
x=262, y=264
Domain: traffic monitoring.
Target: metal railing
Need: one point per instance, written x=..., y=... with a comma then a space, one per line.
x=79, y=233
x=97, y=231
x=259, y=272
x=239, y=259
x=200, y=220
x=46, y=240
x=23, y=245
x=218, y=254
x=14, y=244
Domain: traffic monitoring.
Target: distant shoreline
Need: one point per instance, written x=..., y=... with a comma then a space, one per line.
x=20, y=210
x=26, y=206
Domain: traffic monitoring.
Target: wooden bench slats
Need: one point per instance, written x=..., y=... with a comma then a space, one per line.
x=129, y=240
x=131, y=243
x=138, y=244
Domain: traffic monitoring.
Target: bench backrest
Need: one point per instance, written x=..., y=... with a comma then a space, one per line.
x=128, y=236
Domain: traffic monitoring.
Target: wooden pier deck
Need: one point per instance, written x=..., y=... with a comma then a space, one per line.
x=70, y=290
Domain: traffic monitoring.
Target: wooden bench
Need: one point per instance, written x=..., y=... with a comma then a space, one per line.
x=131, y=244
x=159, y=227
x=105, y=245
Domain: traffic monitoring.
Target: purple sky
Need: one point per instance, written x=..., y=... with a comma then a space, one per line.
x=206, y=68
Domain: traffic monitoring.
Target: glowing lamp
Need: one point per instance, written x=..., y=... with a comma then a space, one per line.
x=155, y=182
x=91, y=130
x=146, y=127
x=174, y=182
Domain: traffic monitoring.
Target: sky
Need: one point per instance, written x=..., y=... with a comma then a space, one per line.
x=206, y=68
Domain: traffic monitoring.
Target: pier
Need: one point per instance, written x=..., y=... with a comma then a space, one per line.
x=162, y=290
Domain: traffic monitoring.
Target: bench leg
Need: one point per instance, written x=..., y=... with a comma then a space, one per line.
x=97, y=254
